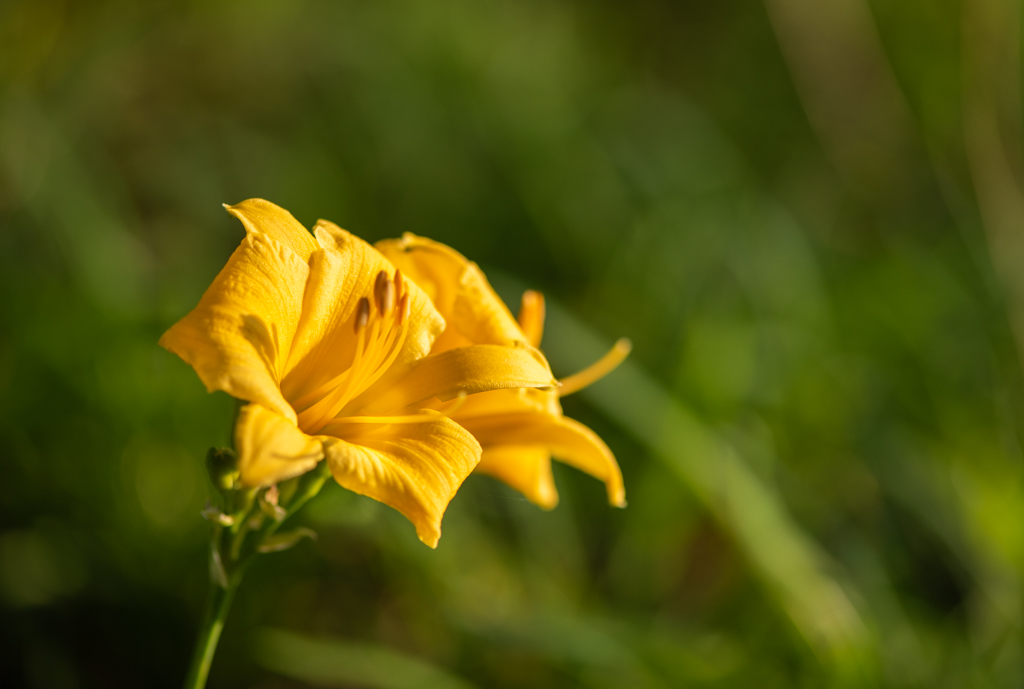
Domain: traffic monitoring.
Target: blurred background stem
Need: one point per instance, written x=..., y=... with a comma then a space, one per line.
x=992, y=136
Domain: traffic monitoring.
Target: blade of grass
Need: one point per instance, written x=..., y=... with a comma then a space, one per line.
x=334, y=662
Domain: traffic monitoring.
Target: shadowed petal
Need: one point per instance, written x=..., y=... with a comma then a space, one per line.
x=525, y=468
x=267, y=218
x=271, y=448
x=474, y=312
x=568, y=440
x=239, y=335
x=414, y=467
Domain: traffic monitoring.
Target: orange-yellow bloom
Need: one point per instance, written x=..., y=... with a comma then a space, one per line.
x=331, y=348
x=520, y=430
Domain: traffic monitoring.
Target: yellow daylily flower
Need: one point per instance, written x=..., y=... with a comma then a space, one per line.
x=520, y=430
x=331, y=348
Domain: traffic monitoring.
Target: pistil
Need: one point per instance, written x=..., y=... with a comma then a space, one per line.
x=597, y=370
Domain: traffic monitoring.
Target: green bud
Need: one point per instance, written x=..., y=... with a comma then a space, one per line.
x=222, y=466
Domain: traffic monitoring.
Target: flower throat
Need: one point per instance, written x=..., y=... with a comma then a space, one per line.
x=380, y=327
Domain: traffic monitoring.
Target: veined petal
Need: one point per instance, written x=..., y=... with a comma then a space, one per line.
x=267, y=218
x=342, y=272
x=525, y=468
x=568, y=440
x=473, y=311
x=271, y=448
x=467, y=370
x=414, y=467
x=238, y=337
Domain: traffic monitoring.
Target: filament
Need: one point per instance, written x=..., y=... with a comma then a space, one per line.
x=333, y=403
x=378, y=346
x=454, y=405
x=315, y=411
x=413, y=418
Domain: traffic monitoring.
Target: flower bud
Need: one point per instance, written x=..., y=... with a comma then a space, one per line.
x=222, y=466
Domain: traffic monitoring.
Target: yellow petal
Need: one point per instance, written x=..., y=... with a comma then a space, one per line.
x=465, y=370
x=508, y=401
x=525, y=468
x=568, y=440
x=460, y=291
x=239, y=335
x=271, y=448
x=414, y=467
x=263, y=216
x=342, y=272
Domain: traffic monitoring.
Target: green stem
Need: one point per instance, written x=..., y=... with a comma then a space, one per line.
x=232, y=554
x=217, y=605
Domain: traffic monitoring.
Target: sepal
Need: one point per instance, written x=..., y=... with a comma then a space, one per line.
x=269, y=504
x=212, y=513
x=284, y=541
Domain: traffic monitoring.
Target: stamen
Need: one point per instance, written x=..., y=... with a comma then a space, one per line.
x=333, y=383
x=403, y=309
x=597, y=370
x=531, y=316
x=414, y=418
x=399, y=282
x=361, y=320
x=384, y=293
x=317, y=412
x=366, y=370
x=454, y=405
x=329, y=406
x=362, y=314
x=379, y=368
x=378, y=345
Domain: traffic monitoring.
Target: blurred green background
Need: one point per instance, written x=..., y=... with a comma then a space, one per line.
x=808, y=217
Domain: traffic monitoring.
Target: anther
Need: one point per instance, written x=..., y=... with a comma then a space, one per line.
x=362, y=314
x=399, y=283
x=384, y=293
x=403, y=309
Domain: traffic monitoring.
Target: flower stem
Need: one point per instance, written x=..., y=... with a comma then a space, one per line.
x=217, y=605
